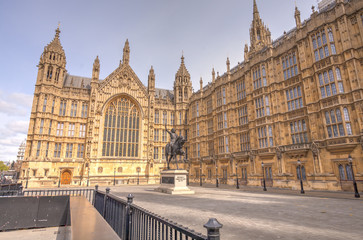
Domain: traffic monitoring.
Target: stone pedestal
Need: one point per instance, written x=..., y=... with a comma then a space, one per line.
x=174, y=182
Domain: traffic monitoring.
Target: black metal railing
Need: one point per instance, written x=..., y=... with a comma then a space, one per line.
x=132, y=222
x=88, y=193
x=11, y=186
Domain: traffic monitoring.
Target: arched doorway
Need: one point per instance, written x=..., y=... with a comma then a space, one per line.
x=66, y=177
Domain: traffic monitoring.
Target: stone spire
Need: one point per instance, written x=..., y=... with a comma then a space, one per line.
x=182, y=71
x=182, y=84
x=297, y=17
x=228, y=65
x=201, y=84
x=96, y=69
x=126, y=56
x=260, y=35
x=213, y=75
x=256, y=14
x=151, y=80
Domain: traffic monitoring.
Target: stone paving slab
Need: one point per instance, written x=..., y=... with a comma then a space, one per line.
x=51, y=233
x=255, y=214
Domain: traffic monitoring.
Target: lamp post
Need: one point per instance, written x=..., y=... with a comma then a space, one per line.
x=138, y=175
x=356, y=193
x=237, y=176
x=26, y=185
x=88, y=177
x=60, y=171
x=200, y=174
x=263, y=174
x=114, y=176
x=216, y=174
x=301, y=177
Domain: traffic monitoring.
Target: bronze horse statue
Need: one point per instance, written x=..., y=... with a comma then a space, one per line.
x=173, y=150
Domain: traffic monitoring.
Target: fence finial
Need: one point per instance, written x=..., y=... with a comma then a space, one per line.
x=213, y=227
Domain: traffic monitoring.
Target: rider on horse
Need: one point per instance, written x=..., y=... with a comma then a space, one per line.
x=173, y=137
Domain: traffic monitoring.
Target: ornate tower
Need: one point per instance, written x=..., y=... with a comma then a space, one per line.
x=182, y=84
x=52, y=63
x=260, y=35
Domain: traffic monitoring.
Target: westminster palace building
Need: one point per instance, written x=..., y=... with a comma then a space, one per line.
x=291, y=110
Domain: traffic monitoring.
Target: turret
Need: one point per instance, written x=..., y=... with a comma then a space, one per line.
x=201, y=84
x=246, y=53
x=151, y=81
x=96, y=70
x=52, y=63
x=297, y=18
x=228, y=65
x=213, y=75
x=126, y=55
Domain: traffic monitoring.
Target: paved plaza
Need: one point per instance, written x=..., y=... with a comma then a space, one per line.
x=250, y=213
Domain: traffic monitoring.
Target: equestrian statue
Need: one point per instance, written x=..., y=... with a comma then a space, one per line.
x=174, y=147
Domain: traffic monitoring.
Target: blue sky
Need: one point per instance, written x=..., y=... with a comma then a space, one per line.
x=207, y=31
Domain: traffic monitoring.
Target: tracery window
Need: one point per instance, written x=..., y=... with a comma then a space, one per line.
x=242, y=115
x=62, y=108
x=294, y=98
x=74, y=109
x=241, y=90
x=321, y=45
x=289, y=66
x=298, y=132
x=121, y=129
x=259, y=79
x=327, y=83
x=244, y=141
x=337, y=125
x=165, y=118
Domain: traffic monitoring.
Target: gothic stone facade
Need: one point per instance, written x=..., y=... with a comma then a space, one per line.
x=299, y=97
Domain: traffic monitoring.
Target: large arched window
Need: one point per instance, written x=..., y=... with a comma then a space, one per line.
x=121, y=129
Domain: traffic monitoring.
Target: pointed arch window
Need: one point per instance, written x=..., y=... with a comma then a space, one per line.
x=185, y=93
x=57, y=75
x=49, y=73
x=121, y=129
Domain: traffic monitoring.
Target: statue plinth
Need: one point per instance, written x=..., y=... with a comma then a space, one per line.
x=174, y=182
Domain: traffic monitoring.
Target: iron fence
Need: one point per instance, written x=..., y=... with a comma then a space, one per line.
x=88, y=193
x=133, y=222
x=11, y=186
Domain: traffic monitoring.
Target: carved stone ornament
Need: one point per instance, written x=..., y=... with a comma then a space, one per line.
x=314, y=148
x=278, y=152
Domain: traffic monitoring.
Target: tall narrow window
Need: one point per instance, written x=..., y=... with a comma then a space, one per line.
x=197, y=129
x=225, y=120
x=53, y=106
x=221, y=145
x=50, y=127
x=57, y=75
x=165, y=118
x=84, y=110
x=156, y=135
x=224, y=95
x=62, y=108
x=69, y=150
x=226, y=144
x=57, y=150
x=180, y=118
x=198, y=150
x=121, y=129
x=41, y=126
x=47, y=150
x=49, y=73
x=164, y=137
x=80, y=151
x=60, y=129
x=156, y=116
x=71, y=127
x=156, y=153
x=339, y=79
x=172, y=117
x=197, y=109
x=74, y=109
x=264, y=75
x=82, y=130
x=38, y=148
x=257, y=81
x=45, y=104
x=220, y=120
x=347, y=121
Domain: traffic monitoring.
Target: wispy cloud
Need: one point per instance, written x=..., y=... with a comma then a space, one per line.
x=14, y=122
